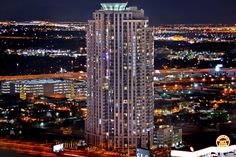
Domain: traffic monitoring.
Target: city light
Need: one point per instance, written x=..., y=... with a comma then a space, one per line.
x=129, y=81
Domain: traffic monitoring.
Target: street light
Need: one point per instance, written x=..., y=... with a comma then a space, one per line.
x=17, y=68
x=191, y=149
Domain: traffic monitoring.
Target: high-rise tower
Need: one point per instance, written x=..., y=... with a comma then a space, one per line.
x=120, y=65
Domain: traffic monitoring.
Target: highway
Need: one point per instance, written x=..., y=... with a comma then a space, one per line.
x=82, y=75
x=69, y=75
x=207, y=70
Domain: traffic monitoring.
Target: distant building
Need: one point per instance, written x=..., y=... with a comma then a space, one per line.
x=45, y=87
x=22, y=93
x=120, y=66
x=167, y=136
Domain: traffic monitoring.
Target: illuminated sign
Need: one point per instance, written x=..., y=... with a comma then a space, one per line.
x=222, y=141
x=57, y=148
x=142, y=153
x=218, y=66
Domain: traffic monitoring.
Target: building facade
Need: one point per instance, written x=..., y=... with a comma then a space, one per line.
x=45, y=87
x=167, y=136
x=120, y=66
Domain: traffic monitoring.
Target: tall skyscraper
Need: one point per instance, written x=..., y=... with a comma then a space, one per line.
x=120, y=65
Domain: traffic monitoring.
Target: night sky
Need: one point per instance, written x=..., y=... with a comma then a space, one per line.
x=159, y=11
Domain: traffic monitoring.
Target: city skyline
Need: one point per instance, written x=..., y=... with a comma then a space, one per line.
x=159, y=11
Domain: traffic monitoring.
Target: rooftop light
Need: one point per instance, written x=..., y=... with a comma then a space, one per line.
x=114, y=6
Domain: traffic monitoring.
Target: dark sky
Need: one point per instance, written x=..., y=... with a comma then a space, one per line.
x=159, y=11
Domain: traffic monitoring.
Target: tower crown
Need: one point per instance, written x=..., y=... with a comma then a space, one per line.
x=114, y=6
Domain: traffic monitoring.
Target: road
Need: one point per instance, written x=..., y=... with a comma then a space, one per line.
x=45, y=150
x=69, y=75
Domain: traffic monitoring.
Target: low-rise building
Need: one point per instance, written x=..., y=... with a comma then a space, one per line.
x=44, y=87
x=167, y=136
